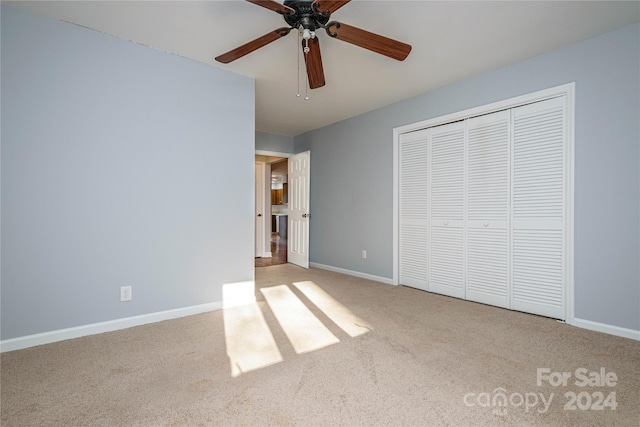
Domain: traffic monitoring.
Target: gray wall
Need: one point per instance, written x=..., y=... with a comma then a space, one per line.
x=351, y=169
x=111, y=176
x=272, y=142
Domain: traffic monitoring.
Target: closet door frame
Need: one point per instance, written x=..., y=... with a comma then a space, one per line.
x=566, y=90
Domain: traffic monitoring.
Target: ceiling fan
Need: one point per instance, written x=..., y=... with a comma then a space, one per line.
x=307, y=16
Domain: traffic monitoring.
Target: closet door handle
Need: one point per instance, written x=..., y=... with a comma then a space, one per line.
x=446, y=223
x=486, y=224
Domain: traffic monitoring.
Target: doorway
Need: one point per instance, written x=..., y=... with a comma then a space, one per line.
x=276, y=211
x=288, y=206
x=279, y=214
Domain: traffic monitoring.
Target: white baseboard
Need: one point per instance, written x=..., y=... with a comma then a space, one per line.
x=607, y=329
x=267, y=255
x=109, y=326
x=580, y=323
x=352, y=273
x=128, y=322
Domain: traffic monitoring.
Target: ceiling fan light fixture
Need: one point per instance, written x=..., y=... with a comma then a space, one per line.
x=308, y=34
x=307, y=16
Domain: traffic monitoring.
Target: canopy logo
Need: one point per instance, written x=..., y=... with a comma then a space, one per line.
x=595, y=400
x=500, y=401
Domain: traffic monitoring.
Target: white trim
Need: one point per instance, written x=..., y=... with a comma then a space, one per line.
x=396, y=207
x=273, y=153
x=554, y=92
x=108, y=326
x=259, y=239
x=267, y=255
x=570, y=197
x=607, y=329
x=267, y=212
x=384, y=280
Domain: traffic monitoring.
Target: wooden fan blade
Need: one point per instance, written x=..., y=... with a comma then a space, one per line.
x=329, y=6
x=374, y=42
x=273, y=5
x=256, y=44
x=313, y=61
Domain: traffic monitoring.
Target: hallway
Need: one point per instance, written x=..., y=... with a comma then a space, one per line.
x=278, y=252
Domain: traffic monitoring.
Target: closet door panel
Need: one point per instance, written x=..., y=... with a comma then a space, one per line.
x=538, y=208
x=487, y=267
x=447, y=264
x=538, y=272
x=446, y=252
x=488, y=141
x=413, y=209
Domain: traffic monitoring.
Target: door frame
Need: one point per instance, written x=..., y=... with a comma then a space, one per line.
x=567, y=90
x=259, y=223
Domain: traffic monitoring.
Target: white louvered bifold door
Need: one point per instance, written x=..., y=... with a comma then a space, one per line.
x=413, y=202
x=446, y=251
x=484, y=208
x=488, y=208
x=538, y=208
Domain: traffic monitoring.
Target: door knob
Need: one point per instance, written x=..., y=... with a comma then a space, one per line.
x=259, y=215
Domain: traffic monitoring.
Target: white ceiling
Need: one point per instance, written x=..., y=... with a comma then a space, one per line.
x=452, y=40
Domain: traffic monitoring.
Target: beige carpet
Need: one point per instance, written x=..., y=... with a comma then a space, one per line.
x=362, y=353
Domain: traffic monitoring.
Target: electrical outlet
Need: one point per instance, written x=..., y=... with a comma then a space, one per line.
x=364, y=254
x=125, y=293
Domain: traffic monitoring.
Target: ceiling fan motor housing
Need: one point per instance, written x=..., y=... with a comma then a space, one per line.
x=306, y=15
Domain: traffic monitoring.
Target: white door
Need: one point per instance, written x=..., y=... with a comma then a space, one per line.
x=413, y=209
x=446, y=253
x=498, y=192
x=488, y=192
x=539, y=184
x=259, y=210
x=298, y=239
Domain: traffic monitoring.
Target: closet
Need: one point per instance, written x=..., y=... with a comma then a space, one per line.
x=482, y=208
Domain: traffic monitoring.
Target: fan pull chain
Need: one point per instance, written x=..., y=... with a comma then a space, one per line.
x=306, y=50
x=306, y=93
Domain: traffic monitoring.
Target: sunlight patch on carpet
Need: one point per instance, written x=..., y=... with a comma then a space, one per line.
x=239, y=293
x=250, y=343
x=334, y=310
x=303, y=329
